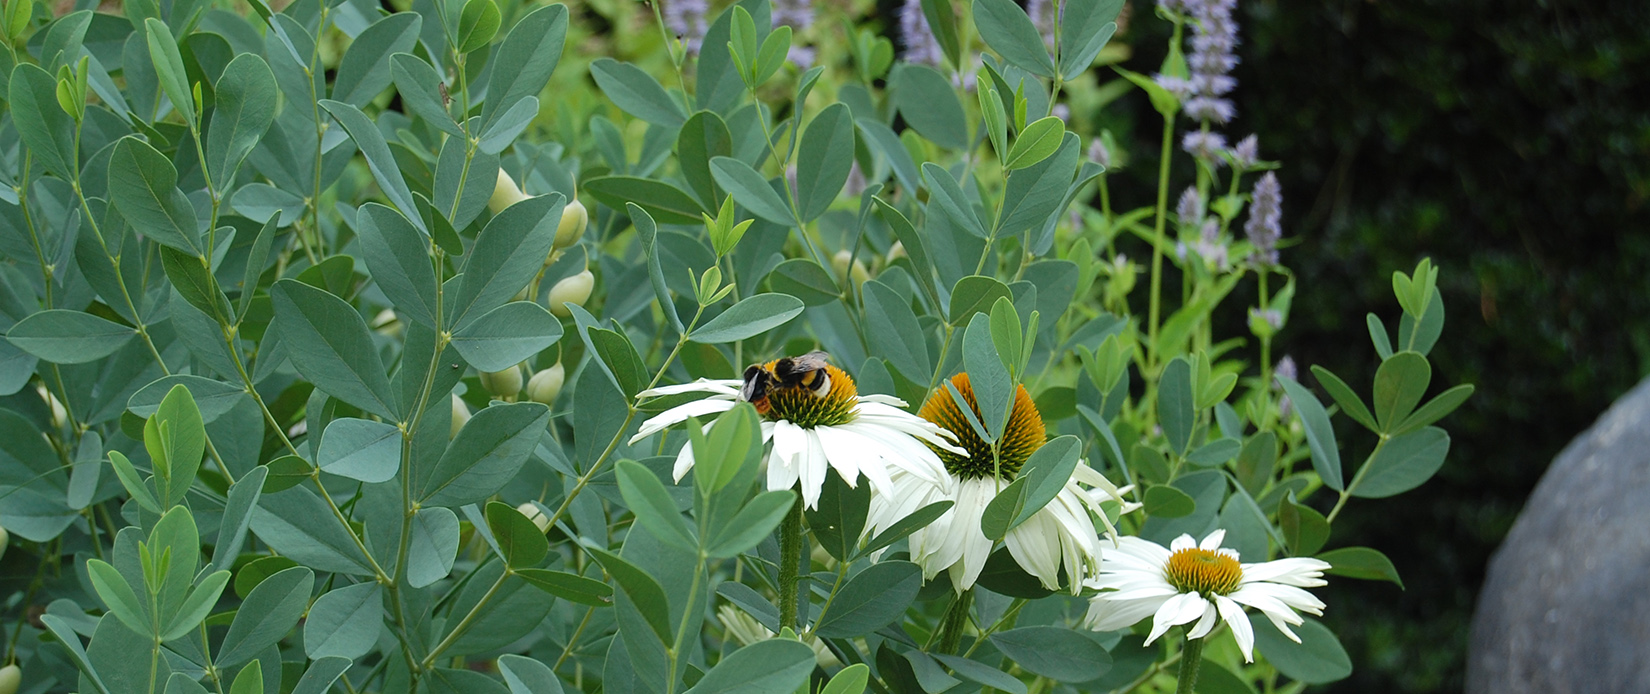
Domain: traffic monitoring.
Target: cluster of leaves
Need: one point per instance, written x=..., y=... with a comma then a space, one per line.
x=265, y=291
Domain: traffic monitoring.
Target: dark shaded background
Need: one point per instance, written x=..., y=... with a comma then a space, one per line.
x=1509, y=141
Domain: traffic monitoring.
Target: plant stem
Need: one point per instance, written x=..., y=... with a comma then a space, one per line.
x=1158, y=240
x=790, y=555
x=949, y=633
x=1191, y=657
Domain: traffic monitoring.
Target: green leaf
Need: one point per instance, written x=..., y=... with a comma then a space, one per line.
x=477, y=25
x=1317, y=659
x=754, y=523
x=1037, y=142
x=508, y=252
x=1303, y=527
x=143, y=188
x=824, y=161
x=1085, y=27
x=520, y=542
x=765, y=667
x=942, y=21
x=237, y=517
x=398, y=256
x=1164, y=501
x=666, y=203
x=1420, y=337
x=750, y=190
x=507, y=127
x=1404, y=463
x=527, y=676
x=621, y=358
x=250, y=680
x=532, y=50
x=893, y=332
x=651, y=502
x=1163, y=101
x=902, y=528
x=805, y=280
x=360, y=449
x=1175, y=409
x=635, y=92
x=850, y=680
x=1378, y=335
x=838, y=520
x=118, y=595
x=197, y=606
x=1008, y=30
x=1400, y=383
x=486, y=454
x=364, y=71
x=163, y=51
x=507, y=335
x=1214, y=678
x=432, y=547
x=370, y=140
x=1053, y=652
x=949, y=195
x=750, y=317
x=930, y=106
x=286, y=472
x=975, y=671
x=1215, y=452
x=176, y=440
x=871, y=600
x=1344, y=396
x=1361, y=563
x=703, y=137
x=44, y=127
x=245, y=98
x=642, y=590
x=68, y=337
x=300, y=526
x=1320, y=436
x=267, y=615
x=193, y=281
x=975, y=294
x=994, y=388
x=416, y=81
x=321, y=675
x=1035, y=193
x=1041, y=479
x=133, y=483
x=327, y=341
x=569, y=586
x=1435, y=409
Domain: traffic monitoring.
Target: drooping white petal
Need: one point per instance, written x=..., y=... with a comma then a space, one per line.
x=681, y=413
x=1174, y=612
x=1242, y=631
x=1205, y=623
x=1295, y=571
x=703, y=385
x=1111, y=615
x=1035, y=544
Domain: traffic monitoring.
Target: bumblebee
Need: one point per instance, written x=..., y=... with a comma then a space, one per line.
x=806, y=372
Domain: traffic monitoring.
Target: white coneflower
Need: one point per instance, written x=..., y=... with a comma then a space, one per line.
x=842, y=430
x=1191, y=582
x=1061, y=535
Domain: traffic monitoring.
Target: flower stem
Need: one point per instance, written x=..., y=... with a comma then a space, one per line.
x=951, y=625
x=1158, y=238
x=790, y=555
x=1191, y=656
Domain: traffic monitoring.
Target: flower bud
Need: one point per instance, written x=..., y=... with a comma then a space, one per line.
x=531, y=510
x=11, y=677
x=840, y=267
x=896, y=251
x=545, y=385
x=505, y=193
x=572, y=290
x=461, y=415
x=388, y=324
x=506, y=383
x=574, y=218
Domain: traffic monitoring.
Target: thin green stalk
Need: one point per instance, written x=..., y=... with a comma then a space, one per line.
x=949, y=633
x=841, y=573
x=1158, y=240
x=1191, y=658
x=1356, y=480
x=679, y=645
x=464, y=624
x=568, y=650
x=790, y=556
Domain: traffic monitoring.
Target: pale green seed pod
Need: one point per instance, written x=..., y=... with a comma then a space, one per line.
x=572, y=290
x=505, y=193
x=574, y=219
x=461, y=414
x=545, y=385
x=504, y=384
x=11, y=677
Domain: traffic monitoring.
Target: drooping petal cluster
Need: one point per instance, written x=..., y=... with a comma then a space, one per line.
x=1200, y=584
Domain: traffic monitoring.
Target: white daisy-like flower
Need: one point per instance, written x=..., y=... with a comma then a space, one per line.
x=816, y=431
x=744, y=629
x=1061, y=535
x=1198, y=582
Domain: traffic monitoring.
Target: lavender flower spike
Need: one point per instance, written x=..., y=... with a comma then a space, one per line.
x=1204, y=146
x=1265, y=224
x=1246, y=153
x=918, y=37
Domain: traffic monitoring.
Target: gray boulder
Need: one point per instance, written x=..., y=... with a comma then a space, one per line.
x=1566, y=604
